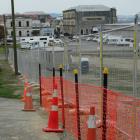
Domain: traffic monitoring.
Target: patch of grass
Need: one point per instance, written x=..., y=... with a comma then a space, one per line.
x=1, y=49
x=9, y=87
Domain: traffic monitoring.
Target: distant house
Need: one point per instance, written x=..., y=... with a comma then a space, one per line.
x=57, y=24
x=81, y=19
x=36, y=26
x=38, y=15
x=23, y=26
x=30, y=24
x=47, y=31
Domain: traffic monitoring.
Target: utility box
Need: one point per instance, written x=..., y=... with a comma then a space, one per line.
x=84, y=65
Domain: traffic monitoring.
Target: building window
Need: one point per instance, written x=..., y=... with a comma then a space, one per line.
x=86, y=31
x=19, y=24
x=11, y=33
x=27, y=23
x=28, y=34
x=20, y=33
x=11, y=23
x=81, y=31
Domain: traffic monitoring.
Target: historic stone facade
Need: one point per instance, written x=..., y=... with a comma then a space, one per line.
x=23, y=26
x=82, y=19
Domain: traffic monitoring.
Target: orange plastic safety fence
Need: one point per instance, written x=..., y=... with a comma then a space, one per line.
x=123, y=112
x=122, y=117
x=70, y=110
x=90, y=96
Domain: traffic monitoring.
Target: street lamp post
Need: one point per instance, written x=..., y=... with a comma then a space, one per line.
x=14, y=38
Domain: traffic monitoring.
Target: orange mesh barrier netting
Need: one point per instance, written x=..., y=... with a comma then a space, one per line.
x=122, y=112
x=122, y=117
x=89, y=96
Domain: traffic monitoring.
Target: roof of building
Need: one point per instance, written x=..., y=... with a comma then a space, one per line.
x=35, y=13
x=90, y=8
x=119, y=24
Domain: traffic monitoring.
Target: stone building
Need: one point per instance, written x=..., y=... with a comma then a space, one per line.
x=82, y=19
x=23, y=26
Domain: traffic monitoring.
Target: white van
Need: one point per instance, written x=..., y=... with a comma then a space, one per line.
x=33, y=44
x=125, y=42
x=113, y=40
x=41, y=40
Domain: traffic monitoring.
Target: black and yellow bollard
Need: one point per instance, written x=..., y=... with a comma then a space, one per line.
x=62, y=94
x=40, y=85
x=77, y=103
x=105, y=85
x=54, y=77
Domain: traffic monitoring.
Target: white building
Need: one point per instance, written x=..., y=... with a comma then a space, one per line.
x=23, y=26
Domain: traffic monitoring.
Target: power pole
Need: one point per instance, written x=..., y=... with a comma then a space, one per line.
x=5, y=37
x=14, y=38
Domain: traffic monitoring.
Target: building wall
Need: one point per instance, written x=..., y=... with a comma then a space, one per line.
x=47, y=32
x=82, y=22
x=23, y=27
x=69, y=22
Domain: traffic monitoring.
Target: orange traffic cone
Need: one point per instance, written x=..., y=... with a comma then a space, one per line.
x=91, y=135
x=28, y=106
x=26, y=84
x=53, y=124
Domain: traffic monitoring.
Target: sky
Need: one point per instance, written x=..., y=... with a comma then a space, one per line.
x=124, y=7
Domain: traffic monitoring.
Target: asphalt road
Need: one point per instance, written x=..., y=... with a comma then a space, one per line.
x=91, y=45
x=93, y=48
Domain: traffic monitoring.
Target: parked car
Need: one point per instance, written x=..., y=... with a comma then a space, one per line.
x=125, y=42
x=58, y=41
x=89, y=38
x=75, y=37
x=96, y=39
x=9, y=41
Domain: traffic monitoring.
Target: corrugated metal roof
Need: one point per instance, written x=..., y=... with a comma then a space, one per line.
x=90, y=8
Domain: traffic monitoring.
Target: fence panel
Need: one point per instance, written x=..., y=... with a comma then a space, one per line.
x=29, y=60
x=122, y=111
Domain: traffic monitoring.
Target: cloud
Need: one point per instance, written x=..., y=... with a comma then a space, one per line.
x=123, y=6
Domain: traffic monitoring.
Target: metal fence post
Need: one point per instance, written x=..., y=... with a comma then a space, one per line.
x=101, y=68
x=135, y=64
x=62, y=95
x=135, y=58
x=105, y=84
x=101, y=55
x=77, y=103
x=40, y=84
